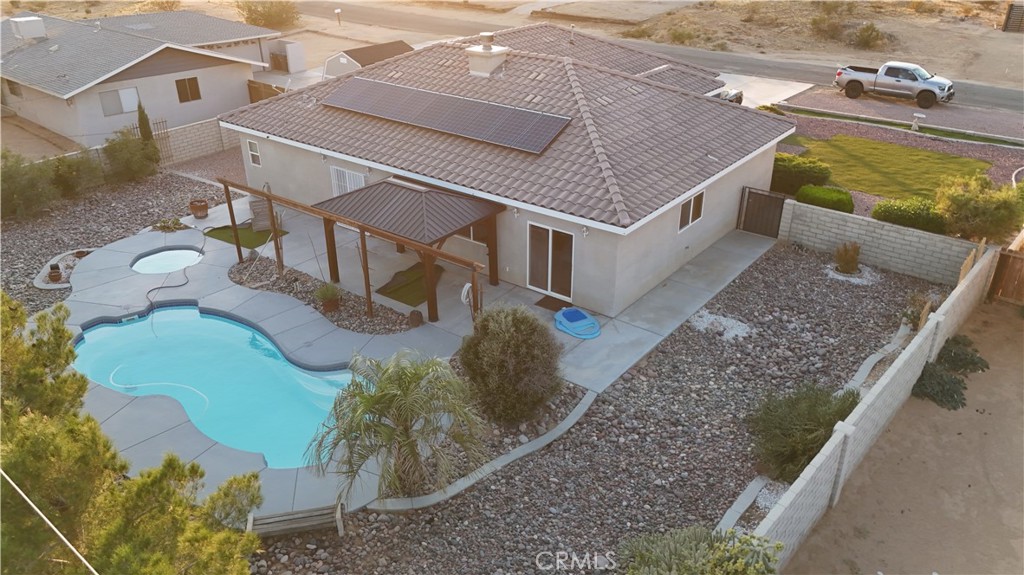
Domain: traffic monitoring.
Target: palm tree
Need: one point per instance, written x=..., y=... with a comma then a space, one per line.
x=410, y=413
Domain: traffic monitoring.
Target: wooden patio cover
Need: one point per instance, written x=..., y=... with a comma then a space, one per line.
x=409, y=214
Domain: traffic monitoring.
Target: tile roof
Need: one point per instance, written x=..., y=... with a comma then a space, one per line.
x=424, y=214
x=72, y=56
x=633, y=145
x=545, y=38
x=183, y=27
x=372, y=54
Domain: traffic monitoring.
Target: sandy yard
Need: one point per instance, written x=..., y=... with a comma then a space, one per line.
x=957, y=39
x=941, y=490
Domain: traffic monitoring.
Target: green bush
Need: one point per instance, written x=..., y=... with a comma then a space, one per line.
x=681, y=36
x=512, y=363
x=792, y=172
x=825, y=197
x=826, y=27
x=848, y=258
x=72, y=174
x=974, y=208
x=269, y=14
x=942, y=386
x=771, y=109
x=637, y=32
x=867, y=37
x=789, y=430
x=130, y=158
x=959, y=356
x=25, y=187
x=917, y=213
x=698, y=550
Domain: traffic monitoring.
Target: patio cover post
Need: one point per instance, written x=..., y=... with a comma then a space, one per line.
x=275, y=238
x=332, y=251
x=431, y=284
x=492, y=249
x=366, y=273
x=234, y=226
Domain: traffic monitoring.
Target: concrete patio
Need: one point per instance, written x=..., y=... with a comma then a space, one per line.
x=143, y=428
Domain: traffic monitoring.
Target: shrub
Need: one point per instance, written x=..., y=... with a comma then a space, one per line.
x=697, y=549
x=867, y=37
x=771, y=109
x=169, y=225
x=825, y=197
x=512, y=363
x=72, y=174
x=165, y=5
x=974, y=208
x=848, y=258
x=940, y=385
x=924, y=6
x=959, y=356
x=130, y=158
x=792, y=172
x=826, y=27
x=145, y=128
x=25, y=187
x=327, y=292
x=681, y=36
x=720, y=46
x=789, y=430
x=917, y=213
x=637, y=32
x=268, y=13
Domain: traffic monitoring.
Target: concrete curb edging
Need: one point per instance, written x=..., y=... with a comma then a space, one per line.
x=460, y=485
x=858, y=379
x=745, y=499
x=860, y=118
x=38, y=282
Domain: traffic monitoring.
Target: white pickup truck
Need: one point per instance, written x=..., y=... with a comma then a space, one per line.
x=899, y=79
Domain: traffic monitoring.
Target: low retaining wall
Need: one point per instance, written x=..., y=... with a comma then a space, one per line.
x=199, y=139
x=820, y=484
x=900, y=249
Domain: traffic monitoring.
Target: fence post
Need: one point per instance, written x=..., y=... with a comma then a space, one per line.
x=936, y=344
x=846, y=430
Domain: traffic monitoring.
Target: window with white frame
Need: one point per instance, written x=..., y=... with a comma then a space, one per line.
x=254, y=153
x=344, y=181
x=121, y=101
x=691, y=210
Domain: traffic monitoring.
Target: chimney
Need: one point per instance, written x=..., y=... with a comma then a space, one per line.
x=28, y=27
x=485, y=60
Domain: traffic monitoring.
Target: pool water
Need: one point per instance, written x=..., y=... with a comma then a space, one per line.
x=234, y=384
x=167, y=261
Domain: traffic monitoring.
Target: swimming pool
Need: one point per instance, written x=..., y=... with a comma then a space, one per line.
x=233, y=382
x=165, y=261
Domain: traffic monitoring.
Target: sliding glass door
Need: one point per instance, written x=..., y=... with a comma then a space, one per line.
x=550, y=261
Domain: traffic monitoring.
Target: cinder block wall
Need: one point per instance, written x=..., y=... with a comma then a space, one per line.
x=900, y=249
x=199, y=139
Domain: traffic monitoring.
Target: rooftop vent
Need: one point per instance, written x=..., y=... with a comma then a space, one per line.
x=486, y=60
x=28, y=27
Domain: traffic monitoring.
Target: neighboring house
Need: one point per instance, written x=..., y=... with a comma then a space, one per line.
x=357, y=58
x=610, y=180
x=85, y=82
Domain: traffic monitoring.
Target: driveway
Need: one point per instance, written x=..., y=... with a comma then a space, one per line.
x=941, y=491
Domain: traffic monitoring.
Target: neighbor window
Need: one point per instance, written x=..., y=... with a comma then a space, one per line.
x=344, y=181
x=14, y=88
x=691, y=210
x=188, y=89
x=254, y=153
x=120, y=101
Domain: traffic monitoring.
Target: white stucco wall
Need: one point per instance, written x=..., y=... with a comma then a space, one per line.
x=249, y=50
x=222, y=88
x=48, y=111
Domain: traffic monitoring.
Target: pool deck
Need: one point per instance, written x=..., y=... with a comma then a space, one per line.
x=104, y=288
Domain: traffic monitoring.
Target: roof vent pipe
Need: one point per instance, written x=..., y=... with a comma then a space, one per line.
x=486, y=60
x=487, y=40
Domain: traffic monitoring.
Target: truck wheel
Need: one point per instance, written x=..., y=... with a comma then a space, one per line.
x=854, y=90
x=925, y=100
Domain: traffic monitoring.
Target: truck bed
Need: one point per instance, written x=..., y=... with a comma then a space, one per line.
x=864, y=69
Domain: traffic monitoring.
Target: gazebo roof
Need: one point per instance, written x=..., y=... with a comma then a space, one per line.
x=426, y=215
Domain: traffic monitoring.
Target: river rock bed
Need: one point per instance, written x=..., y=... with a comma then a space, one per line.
x=665, y=446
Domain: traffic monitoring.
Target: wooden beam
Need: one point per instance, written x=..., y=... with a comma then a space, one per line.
x=332, y=251
x=430, y=282
x=275, y=237
x=366, y=273
x=234, y=225
x=492, y=249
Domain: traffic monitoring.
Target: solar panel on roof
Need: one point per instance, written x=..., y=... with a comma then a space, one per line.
x=507, y=126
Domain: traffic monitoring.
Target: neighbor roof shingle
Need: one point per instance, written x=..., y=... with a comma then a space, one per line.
x=183, y=27
x=633, y=145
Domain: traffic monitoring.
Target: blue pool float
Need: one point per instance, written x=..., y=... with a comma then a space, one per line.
x=577, y=323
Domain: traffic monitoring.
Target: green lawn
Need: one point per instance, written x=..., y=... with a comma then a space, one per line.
x=883, y=169
x=247, y=237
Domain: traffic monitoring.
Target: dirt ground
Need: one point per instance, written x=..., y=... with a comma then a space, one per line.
x=954, y=38
x=941, y=491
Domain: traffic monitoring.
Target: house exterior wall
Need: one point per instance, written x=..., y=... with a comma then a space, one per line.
x=655, y=251
x=250, y=50
x=222, y=88
x=48, y=111
x=610, y=271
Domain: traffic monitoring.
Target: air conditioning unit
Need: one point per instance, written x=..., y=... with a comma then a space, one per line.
x=28, y=27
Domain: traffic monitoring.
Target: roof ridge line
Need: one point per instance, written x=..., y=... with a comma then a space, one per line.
x=595, y=139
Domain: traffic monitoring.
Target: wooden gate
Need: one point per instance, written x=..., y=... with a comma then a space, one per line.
x=761, y=211
x=261, y=91
x=1008, y=281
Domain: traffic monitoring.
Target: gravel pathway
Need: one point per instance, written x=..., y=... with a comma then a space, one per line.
x=98, y=218
x=664, y=447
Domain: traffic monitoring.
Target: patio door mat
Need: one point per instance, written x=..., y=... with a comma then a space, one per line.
x=407, y=286
x=552, y=303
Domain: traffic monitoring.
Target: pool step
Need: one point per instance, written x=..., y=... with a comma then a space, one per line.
x=292, y=521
